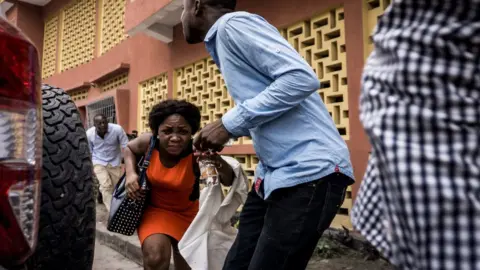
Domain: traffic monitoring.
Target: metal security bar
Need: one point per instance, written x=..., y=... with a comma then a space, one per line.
x=105, y=107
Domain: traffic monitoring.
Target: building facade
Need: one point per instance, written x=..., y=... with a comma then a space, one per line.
x=120, y=57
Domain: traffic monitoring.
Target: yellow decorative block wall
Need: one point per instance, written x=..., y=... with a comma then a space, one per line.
x=49, y=61
x=321, y=42
x=78, y=34
x=78, y=95
x=114, y=82
x=112, y=24
x=151, y=92
x=373, y=10
x=202, y=84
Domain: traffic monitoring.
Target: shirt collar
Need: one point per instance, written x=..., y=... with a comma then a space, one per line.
x=212, y=32
x=108, y=130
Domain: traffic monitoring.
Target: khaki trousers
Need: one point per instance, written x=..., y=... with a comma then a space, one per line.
x=108, y=177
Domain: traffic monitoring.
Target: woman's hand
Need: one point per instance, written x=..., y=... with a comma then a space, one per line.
x=134, y=148
x=132, y=186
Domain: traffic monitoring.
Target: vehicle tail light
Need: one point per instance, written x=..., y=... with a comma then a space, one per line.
x=20, y=145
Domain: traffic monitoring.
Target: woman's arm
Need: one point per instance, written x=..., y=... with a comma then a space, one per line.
x=225, y=171
x=134, y=148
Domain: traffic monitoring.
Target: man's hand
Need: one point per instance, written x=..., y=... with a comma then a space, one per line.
x=212, y=137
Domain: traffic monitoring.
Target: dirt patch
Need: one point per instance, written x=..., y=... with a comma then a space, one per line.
x=347, y=263
x=332, y=254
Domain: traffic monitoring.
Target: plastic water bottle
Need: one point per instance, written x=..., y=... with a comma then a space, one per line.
x=208, y=171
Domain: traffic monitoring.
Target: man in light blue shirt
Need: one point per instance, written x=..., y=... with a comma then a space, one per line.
x=107, y=142
x=304, y=167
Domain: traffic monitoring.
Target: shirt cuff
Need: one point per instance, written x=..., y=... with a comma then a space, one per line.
x=233, y=121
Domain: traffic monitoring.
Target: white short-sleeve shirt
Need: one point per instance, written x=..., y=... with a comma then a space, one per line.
x=109, y=149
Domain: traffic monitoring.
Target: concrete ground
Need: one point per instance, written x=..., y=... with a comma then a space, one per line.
x=330, y=255
x=108, y=259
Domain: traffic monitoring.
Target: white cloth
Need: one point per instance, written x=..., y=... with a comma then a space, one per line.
x=210, y=236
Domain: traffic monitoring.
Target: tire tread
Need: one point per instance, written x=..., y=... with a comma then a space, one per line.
x=66, y=238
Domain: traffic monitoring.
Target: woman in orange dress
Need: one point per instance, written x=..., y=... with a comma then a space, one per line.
x=173, y=201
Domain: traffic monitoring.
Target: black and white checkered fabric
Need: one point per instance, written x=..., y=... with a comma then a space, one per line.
x=419, y=202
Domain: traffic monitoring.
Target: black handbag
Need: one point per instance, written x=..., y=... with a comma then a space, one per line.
x=126, y=213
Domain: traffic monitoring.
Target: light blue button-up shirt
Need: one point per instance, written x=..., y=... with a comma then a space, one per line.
x=277, y=104
x=109, y=149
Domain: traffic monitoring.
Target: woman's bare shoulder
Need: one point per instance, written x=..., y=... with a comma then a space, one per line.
x=140, y=144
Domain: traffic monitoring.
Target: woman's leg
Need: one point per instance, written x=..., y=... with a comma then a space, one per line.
x=156, y=251
x=180, y=263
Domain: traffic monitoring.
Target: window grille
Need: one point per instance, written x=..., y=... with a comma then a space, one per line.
x=105, y=107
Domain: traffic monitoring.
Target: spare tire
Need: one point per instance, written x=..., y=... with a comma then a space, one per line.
x=66, y=237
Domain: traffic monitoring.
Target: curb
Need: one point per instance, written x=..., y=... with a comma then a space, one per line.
x=128, y=246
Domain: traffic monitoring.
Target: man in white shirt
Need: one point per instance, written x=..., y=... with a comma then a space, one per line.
x=107, y=142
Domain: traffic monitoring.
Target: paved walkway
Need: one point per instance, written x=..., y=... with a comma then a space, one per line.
x=129, y=248
x=108, y=259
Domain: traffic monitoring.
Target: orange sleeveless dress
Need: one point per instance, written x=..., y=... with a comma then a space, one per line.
x=169, y=210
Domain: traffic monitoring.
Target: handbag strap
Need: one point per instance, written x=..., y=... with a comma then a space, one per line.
x=196, y=169
x=146, y=162
x=195, y=195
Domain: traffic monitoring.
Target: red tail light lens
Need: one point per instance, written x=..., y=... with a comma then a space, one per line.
x=20, y=145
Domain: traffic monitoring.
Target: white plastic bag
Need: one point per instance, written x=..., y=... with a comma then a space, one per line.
x=210, y=236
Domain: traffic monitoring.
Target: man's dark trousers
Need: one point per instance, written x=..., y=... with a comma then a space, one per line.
x=281, y=233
